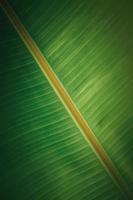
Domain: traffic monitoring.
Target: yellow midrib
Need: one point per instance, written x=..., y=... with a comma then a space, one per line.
x=66, y=99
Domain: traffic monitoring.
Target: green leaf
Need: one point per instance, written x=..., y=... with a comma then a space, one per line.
x=44, y=155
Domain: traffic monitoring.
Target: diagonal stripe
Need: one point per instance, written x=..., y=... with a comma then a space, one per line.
x=66, y=99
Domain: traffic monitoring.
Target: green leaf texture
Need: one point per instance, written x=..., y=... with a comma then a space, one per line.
x=89, y=45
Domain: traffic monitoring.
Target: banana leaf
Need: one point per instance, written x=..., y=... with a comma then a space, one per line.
x=44, y=155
